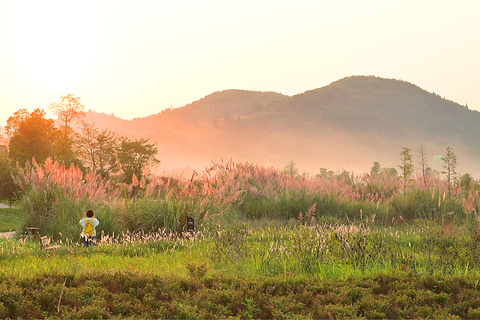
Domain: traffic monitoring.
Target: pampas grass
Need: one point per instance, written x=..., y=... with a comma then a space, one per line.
x=54, y=198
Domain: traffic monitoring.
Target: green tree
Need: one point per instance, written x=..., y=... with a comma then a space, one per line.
x=450, y=163
x=96, y=148
x=33, y=137
x=423, y=163
x=62, y=148
x=390, y=171
x=134, y=156
x=346, y=176
x=375, y=170
x=430, y=172
x=7, y=185
x=406, y=166
x=290, y=169
x=326, y=174
x=468, y=183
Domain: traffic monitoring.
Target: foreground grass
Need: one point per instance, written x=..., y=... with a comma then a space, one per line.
x=182, y=279
x=305, y=271
x=330, y=251
x=25, y=258
x=211, y=295
x=10, y=219
x=48, y=262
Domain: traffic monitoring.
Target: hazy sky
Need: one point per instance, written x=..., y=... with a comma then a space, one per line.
x=134, y=58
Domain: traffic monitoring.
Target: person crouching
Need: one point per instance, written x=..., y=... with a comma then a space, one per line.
x=89, y=223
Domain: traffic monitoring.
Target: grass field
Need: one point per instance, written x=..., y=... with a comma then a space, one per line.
x=267, y=245
x=10, y=219
x=243, y=272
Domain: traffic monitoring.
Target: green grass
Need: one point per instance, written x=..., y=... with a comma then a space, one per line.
x=334, y=251
x=266, y=246
x=269, y=271
x=24, y=257
x=10, y=219
x=92, y=291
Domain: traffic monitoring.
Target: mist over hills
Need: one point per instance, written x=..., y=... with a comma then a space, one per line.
x=348, y=125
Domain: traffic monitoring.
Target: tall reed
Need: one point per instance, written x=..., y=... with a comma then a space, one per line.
x=55, y=197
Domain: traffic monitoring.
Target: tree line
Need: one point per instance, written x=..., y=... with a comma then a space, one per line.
x=406, y=169
x=71, y=140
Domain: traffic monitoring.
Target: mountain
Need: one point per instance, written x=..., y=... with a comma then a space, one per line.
x=216, y=106
x=348, y=124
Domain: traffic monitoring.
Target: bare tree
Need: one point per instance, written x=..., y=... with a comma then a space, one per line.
x=68, y=109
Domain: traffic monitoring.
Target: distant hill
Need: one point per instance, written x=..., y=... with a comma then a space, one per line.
x=348, y=125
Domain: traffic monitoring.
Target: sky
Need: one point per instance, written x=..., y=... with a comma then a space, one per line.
x=135, y=58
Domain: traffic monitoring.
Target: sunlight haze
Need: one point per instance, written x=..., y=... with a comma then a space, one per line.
x=135, y=58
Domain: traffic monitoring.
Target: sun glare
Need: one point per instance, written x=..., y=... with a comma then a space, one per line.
x=52, y=48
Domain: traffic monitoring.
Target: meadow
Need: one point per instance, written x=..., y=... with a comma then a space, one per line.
x=266, y=245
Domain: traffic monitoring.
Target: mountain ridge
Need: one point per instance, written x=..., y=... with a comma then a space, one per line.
x=349, y=123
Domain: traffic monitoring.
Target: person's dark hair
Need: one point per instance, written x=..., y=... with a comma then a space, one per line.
x=90, y=213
